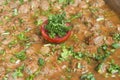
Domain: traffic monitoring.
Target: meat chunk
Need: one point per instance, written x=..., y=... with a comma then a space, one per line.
x=2, y=70
x=76, y=2
x=34, y=4
x=40, y=77
x=30, y=51
x=70, y=10
x=9, y=64
x=14, y=4
x=57, y=6
x=35, y=37
x=92, y=48
x=1, y=2
x=83, y=4
x=44, y=4
x=45, y=50
x=14, y=49
x=10, y=77
x=31, y=65
x=43, y=18
x=109, y=40
x=99, y=3
x=7, y=41
x=98, y=40
x=118, y=28
x=1, y=30
x=24, y=8
x=96, y=27
x=81, y=66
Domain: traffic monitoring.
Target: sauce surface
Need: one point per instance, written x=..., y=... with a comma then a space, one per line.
x=93, y=48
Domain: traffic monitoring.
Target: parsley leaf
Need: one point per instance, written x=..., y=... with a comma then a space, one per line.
x=41, y=62
x=21, y=55
x=116, y=36
x=66, y=2
x=116, y=45
x=18, y=72
x=57, y=25
x=114, y=68
x=88, y=76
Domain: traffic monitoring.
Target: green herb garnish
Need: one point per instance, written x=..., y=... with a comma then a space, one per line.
x=78, y=55
x=21, y=1
x=2, y=51
x=57, y=25
x=15, y=12
x=100, y=68
x=12, y=43
x=12, y=60
x=116, y=45
x=66, y=2
x=31, y=77
x=66, y=53
x=75, y=16
x=22, y=36
x=18, y=72
x=21, y=55
x=114, y=68
x=116, y=36
x=38, y=22
x=88, y=76
x=41, y=62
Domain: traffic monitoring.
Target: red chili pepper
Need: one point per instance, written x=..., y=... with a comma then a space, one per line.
x=56, y=39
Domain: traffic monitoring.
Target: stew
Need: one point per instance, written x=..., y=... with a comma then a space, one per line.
x=92, y=52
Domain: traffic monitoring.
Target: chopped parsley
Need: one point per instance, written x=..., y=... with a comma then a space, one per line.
x=100, y=68
x=21, y=55
x=12, y=60
x=102, y=53
x=12, y=43
x=18, y=72
x=87, y=76
x=2, y=51
x=78, y=55
x=31, y=77
x=75, y=16
x=65, y=54
x=38, y=22
x=15, y=12
x=114, y=68
x=116, y=45
x=57, y=25
x=41, y=62
x=22, y=36
x=66, y=2
x=116, y=36
x=21, y=1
